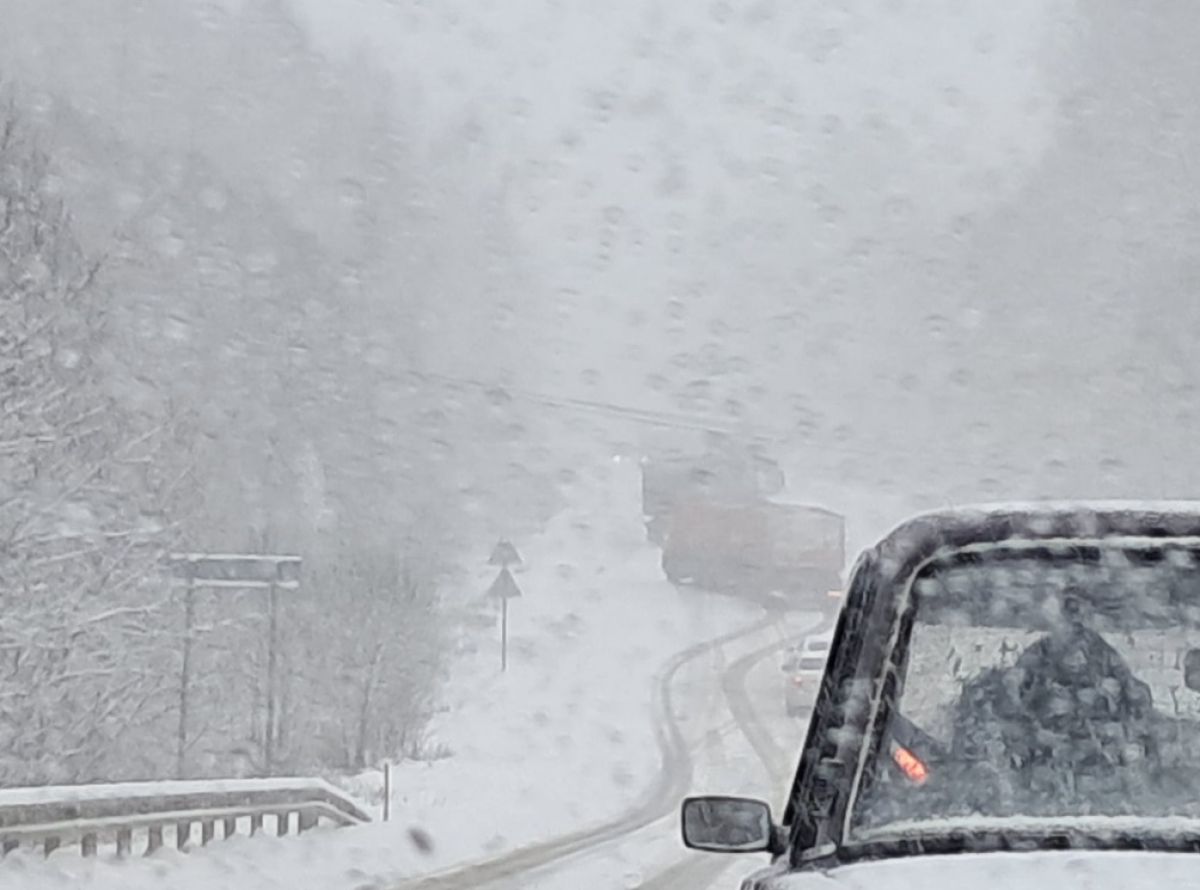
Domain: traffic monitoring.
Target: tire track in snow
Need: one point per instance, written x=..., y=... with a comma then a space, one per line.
x=696, y=871
x=657, y=801
x=734, y=681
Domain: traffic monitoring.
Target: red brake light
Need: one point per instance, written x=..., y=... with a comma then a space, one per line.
x=910, y=765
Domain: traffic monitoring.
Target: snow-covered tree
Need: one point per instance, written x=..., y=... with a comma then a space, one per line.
x=83, y=668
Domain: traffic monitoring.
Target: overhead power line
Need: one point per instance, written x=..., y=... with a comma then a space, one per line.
x=788, y=441
x=644, y=416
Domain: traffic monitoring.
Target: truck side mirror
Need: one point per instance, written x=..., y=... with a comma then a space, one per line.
x=728, y=825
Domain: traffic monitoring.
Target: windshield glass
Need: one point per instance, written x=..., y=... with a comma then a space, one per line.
x=482, y=406
x=1042, y=681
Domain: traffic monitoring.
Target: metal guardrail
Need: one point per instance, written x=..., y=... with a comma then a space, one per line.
x=90, y=814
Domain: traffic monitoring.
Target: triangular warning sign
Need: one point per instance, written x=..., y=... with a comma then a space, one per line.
x=504, y=554
x=504, y=587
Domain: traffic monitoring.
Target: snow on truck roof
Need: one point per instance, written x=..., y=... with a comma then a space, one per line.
x=1189, y=507
x=996, y=522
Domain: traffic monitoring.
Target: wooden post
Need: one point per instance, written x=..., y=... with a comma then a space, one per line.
x=207, y=832
x=9, y=845
x=387, y=791
x=185, y=674
x=281, y=823
x=124, y=842
x=306, y=820
x=229, y=827
x=51, y=844
x=255, y=823
x=87, y=845
x=183, y=834
x=153, y=839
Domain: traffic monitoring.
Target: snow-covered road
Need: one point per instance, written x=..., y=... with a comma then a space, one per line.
x=748, y=702
x=637, y=848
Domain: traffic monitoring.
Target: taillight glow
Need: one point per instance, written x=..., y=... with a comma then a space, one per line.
x=910, y=765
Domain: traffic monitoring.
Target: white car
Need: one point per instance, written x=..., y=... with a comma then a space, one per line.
x=803, y=668
x=1009, y=703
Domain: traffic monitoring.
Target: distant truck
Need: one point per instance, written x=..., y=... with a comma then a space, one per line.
x=759, y=549
x=728, y=477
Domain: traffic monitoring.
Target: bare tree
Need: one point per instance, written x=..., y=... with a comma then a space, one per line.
x=369, y=677
x=80, y=497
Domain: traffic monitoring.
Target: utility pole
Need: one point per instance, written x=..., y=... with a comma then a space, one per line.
x=185, y=672
x=238, y=571
x=272, y=658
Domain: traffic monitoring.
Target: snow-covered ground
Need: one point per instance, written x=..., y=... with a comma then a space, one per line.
x=565, y=737
x=563, y=740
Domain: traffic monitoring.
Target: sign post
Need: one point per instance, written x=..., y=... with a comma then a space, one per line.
x=504, y=588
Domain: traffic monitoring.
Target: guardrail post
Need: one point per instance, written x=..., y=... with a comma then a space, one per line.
x=207, y=830
x=50, y=845
x=124, y=841
x=183, y=834
x=306, y=820
x=153, y=839
x=8, y=846
x=255, y=823
x=281, y=823
x=229, y=826
x=87, y=845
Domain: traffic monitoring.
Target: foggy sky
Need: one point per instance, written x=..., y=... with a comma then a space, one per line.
x=944, y=250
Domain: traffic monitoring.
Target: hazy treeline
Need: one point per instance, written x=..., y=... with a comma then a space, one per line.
x=222, y=271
